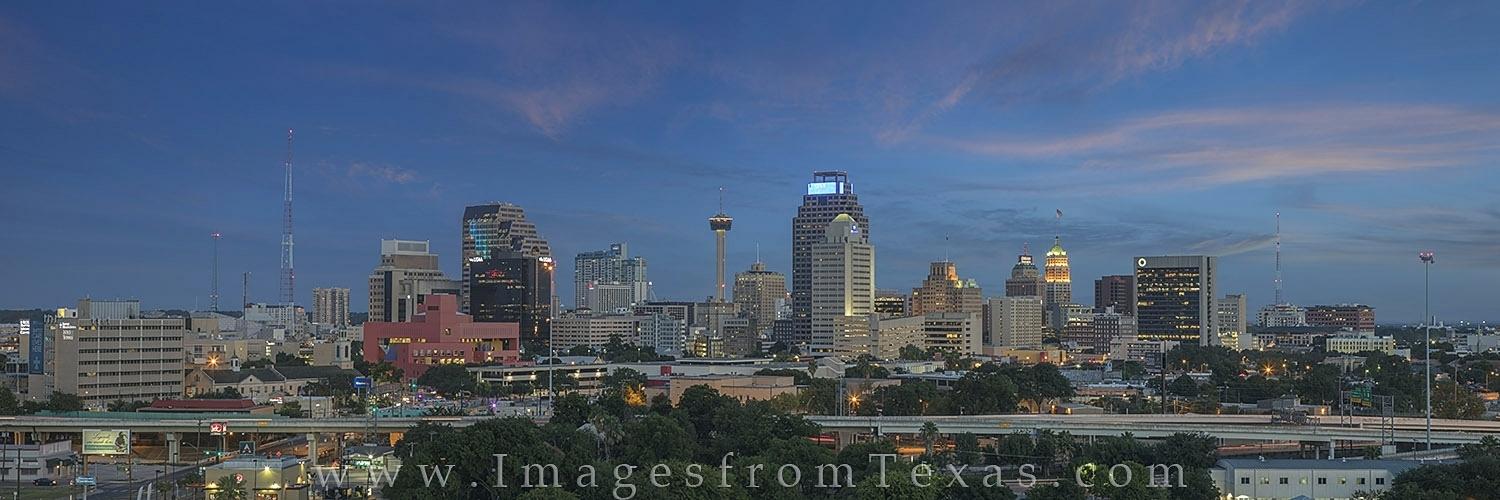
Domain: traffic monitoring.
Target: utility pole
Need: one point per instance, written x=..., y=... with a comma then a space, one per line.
x=1427, y=261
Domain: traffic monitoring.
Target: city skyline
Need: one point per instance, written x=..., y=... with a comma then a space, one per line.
x=1237, y=110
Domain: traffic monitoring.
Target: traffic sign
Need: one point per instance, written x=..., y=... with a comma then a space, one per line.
x=247, y=447
x=361, y=382
x=85, y=481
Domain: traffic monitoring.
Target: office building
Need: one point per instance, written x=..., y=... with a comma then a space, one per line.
x=1356, y=317
x=1259, y=478
x=1281, y=315
x=493, y=229
x=1114, y=291
x=1057, y=276
x=609, y=280
x=1230, y=322
x=331, y=306
x=1352, y=342
x=1075, y=326
x=107, y=351
x=1174, y=297
x=944, y=291
x=1015, y=321
x=408, y=271
x=662, y=333
x=1110, y=326
x=439, y=334
x=760, y=294
x=952, y=331
x=891, y=304
x=829, y=195
x=593, y=330
x=843, y=283
x=513, y=288
x=1025, y=280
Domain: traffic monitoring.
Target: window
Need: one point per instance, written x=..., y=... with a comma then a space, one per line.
x=1379, y=480
x=1360, y=481
x=1245, y=480
x=1265, y=480
x=1283, y=480
x=1322, y=480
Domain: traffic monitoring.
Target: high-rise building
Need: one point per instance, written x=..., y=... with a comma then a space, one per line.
x=1114, y=291
x=1058, y=276
x=759, y=294
x=1111, y=326
x=943, y=291
x=943, y=331
x=513, y=288
x=891, y=304
x=593, y=330
x=108, y=351
x=1025, y=280
x=1356, y=317
x=609, y=280
x=1015, y=321
x=1174, y=297
x=407, y=273
x=493, y=229
x=828, y=195
x=331, y=306
x=1075, y=325
x=843, y=283
x=1230, y=321
x=663, y=333
x=1281, y=315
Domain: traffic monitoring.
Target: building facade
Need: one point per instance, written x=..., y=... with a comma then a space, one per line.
x=829, y=195
x=1231, y=322
x=1356, y=317
x=609, y=280
x=1025, y=280
x=107, y=351
x=1281, y=315
x=497, y=228
x=1015, y=321
x=1174, y=297
x=1058, y=276
x=331, y=306
x=513, y=288
x=944, y=291
x=760, y=294
x=593, y=330
x=843, y=283
x=440, y=334
x=1114, y=291
x=408, y=271
x=891, y=304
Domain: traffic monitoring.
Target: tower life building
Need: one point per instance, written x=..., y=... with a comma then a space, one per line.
x=829, y=195
x=331, y=306
x=512, y=287
x=843, y=286
x=494, y=229
x=1174, y=297
x=943, y=291
x=759, y=295
x=1025, y=279
x=407, y=273
x=1059, y=280
x=1114, y=291
x=609, y=280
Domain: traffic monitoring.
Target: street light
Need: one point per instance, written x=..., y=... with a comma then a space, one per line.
x=1427, y=261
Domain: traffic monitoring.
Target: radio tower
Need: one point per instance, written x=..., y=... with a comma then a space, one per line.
x=1278, y=258
x=288, y=276
x=213, y=295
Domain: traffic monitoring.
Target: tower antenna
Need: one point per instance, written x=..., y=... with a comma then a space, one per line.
x=244, y=299
x=213, y=295
x=288, y=276
x=1278, y=258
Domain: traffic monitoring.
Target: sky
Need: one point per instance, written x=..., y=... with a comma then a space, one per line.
x=131, y=131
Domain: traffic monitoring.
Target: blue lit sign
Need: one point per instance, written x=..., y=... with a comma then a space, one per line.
x=825, y=188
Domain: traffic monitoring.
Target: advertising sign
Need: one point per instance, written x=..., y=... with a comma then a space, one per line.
x=218, y=428
x=106, y=442
x=361, y=382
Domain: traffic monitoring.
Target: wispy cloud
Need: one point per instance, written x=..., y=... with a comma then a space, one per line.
x=1212, y=147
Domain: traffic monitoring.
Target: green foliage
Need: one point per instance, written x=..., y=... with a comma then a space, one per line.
x=624, y=377
x=64, y=401
x=284, y=359
x=225, y=393
x=571, y=410
x=1477, y=476
x=1451, y=401
x=1132, y=370
x=9, y=404
x=448, y=379
x=123, y=405
x=1183, y=386
x=229, y=489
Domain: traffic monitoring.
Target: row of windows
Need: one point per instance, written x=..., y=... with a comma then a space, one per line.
x=131, y=361
x=177, y=350
x=1303, y=480
x=128, y=384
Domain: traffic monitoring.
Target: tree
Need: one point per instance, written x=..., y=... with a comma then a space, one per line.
x=227, y=488
x=284, y=359
x=571, y=410
x=64, y=401
x=123, y=405
x=966, y=448
x=547, y=494
x=1451, y=401
x=929, y=435
x=914, y=353
x=579, y=350
x=9, y=405
x=1132, y=370
x=448, y=379
x=1183, y=386
x=624, y=377
x=1320, y=384
x=290, y=409
x=384, y=373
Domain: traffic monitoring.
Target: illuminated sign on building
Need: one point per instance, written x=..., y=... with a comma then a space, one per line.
x=106, y=442
x=825, y=188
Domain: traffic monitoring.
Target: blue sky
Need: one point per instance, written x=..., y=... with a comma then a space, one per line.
x=129, y=132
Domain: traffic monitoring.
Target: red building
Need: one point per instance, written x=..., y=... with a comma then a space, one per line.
x=439, y=334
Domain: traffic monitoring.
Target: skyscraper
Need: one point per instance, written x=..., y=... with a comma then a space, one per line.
x=758, y=294
x=1059, y=278
x=843, y=284
x=1114, y=291
x=1025, y=280
x=607, y=280
x=513, y=288
x=1174, y=297
x=944, y=291
x=1230, y=321
x=407, y=273
x=828, y=195
x=1015, y=321
x=331, y=306
x=497, y=228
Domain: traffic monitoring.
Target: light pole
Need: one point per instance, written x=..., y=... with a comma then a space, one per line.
x=1427, y=260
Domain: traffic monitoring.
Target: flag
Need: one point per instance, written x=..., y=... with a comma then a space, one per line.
x=1059, y=213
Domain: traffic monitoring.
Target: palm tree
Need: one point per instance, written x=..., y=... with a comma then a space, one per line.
x=227, y=488
x=929, y=435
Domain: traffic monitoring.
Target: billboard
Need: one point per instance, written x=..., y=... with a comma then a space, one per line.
x=106, y=442
x=218, y=428
x=825, y=188
x=35, y=328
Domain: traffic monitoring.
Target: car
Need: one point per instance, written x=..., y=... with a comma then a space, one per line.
x=44, y=481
